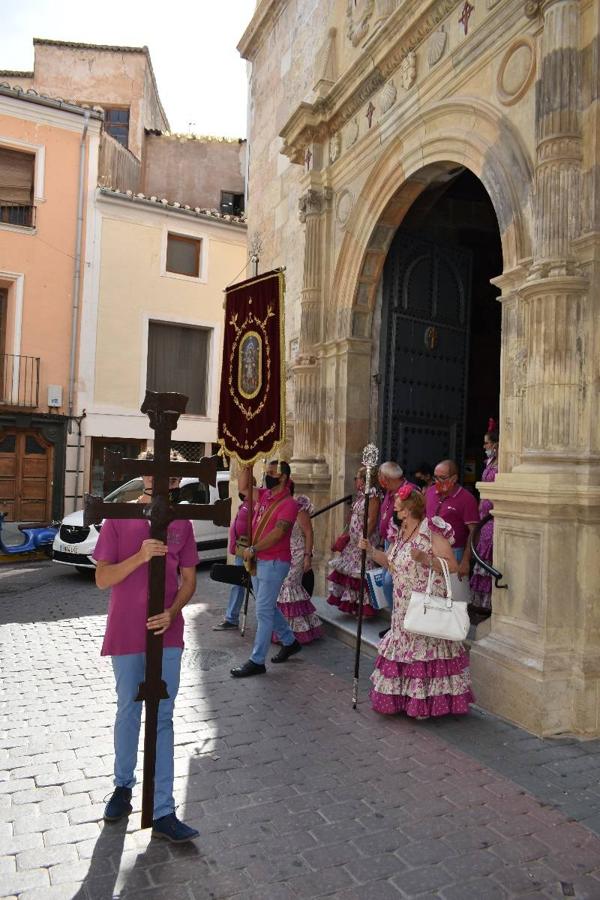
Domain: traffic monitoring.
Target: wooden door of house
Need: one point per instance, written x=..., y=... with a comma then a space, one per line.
x=25, y=475
x=425, y=351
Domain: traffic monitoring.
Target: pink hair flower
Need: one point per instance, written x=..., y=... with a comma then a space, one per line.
x=404, y=492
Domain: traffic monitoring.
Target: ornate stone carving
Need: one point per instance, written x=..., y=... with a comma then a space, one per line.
x=387, y=98
x=532, y=8
x=343, y=207
x=310, y=204
x=384, y=8
x=516, y=72
x=408, y=70
x=436, y=46
x=358, y=14
x=465, y=15
x=335, y=147
x=351, y=135
x=326, y=68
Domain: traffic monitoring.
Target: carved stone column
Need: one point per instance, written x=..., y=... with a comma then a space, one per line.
x=540, y=663
x=310, y=471
x=306, y=367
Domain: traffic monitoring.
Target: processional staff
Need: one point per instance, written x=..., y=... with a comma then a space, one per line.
x=163, y=410
x=370, y=459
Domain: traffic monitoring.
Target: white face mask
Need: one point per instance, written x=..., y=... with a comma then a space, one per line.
x=490, y=452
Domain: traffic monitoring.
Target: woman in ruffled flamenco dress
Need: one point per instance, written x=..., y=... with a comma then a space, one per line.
x=481, y=582
x=345, y=568
x=419, y=675
x=294, y=601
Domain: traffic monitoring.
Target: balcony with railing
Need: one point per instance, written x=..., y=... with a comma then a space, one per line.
x=22, y=216
x=19, y=381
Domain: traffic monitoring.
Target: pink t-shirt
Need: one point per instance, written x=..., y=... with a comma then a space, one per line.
x=128, y=604
x=239, y=526
x=287, y=510
x=459, y=509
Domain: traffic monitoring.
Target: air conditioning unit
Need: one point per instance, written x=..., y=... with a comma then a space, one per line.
x=55, y=393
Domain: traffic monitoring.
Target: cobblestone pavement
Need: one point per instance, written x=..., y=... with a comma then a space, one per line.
x=296, y=795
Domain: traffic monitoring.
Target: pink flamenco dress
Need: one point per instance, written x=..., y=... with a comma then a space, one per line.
x=345, y=568
x=294, y=601
x=481, y=582
x=415, y=674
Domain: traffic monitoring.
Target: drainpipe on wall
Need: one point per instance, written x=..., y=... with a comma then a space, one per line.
x=76, y=289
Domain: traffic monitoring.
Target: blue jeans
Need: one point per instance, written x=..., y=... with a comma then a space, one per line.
x=236, y=598
x=129, y=672
x=267, y=582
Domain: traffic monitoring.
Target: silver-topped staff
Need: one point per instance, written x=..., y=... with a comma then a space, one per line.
x=370, y=458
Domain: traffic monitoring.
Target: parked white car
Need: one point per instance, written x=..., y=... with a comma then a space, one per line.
x=75, y=543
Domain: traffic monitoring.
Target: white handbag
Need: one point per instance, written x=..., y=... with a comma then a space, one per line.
x=437, y=617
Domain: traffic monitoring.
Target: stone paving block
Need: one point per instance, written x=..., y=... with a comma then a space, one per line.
x=378, y=890
x=427, y=852
x=67, y=873
x=7, y=864
x=428, y=878
x=40, y=823
x=328, y=882
x=481, y=888
x=19, y=882
x=71, y=833
x=46, y=857
x=377, y=867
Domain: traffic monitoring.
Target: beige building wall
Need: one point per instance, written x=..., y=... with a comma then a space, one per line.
x=132, y=286
x=355, y=110
x=193, y=170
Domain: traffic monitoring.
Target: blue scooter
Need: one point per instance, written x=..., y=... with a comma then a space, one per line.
x=36, y=537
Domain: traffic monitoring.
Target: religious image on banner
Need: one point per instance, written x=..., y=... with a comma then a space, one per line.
x=252, y=402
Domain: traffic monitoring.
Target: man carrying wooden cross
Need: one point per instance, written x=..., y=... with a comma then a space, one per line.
x=122, y=555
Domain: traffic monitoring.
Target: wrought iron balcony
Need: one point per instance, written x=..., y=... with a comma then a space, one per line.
x=19, y=381
x=11, y=214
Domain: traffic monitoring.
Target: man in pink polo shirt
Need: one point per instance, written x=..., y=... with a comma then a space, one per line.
x=122, y=554
x=456, y=506
x=275, y=512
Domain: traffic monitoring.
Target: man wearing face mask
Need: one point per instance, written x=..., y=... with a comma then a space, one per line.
x=275, y=512
x=456, y=506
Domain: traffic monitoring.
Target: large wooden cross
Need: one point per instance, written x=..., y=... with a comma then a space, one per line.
x=163, y=410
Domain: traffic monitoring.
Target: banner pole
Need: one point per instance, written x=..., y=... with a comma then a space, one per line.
x=250, y=511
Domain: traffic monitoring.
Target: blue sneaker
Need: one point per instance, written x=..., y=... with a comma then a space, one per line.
x=173, y=830
x=119, y=805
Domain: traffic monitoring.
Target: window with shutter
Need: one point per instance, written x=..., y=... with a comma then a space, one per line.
x=178, y=361
x=16, y=187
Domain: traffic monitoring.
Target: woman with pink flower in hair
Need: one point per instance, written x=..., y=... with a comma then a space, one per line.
x=416, y=674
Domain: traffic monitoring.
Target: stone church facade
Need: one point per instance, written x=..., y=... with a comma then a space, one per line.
x=428, y=171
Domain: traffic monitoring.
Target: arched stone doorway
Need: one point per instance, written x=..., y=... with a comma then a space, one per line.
x=436, y=327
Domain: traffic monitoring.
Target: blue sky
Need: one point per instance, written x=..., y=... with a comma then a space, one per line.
x=200, y=75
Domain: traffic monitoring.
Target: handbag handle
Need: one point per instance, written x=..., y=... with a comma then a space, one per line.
x=446, y=574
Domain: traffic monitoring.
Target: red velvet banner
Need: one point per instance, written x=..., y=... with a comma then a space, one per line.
x=252, y=405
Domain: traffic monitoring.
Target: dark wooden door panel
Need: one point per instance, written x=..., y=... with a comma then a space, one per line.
x=424, y=351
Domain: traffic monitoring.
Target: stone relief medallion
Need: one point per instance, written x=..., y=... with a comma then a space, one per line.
x=352, y=133
x=517, y=71
x=343, y=207
x=358, y=14
x=408, y=70
x=388, y=96
x=436, y=46
x=335, y=147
